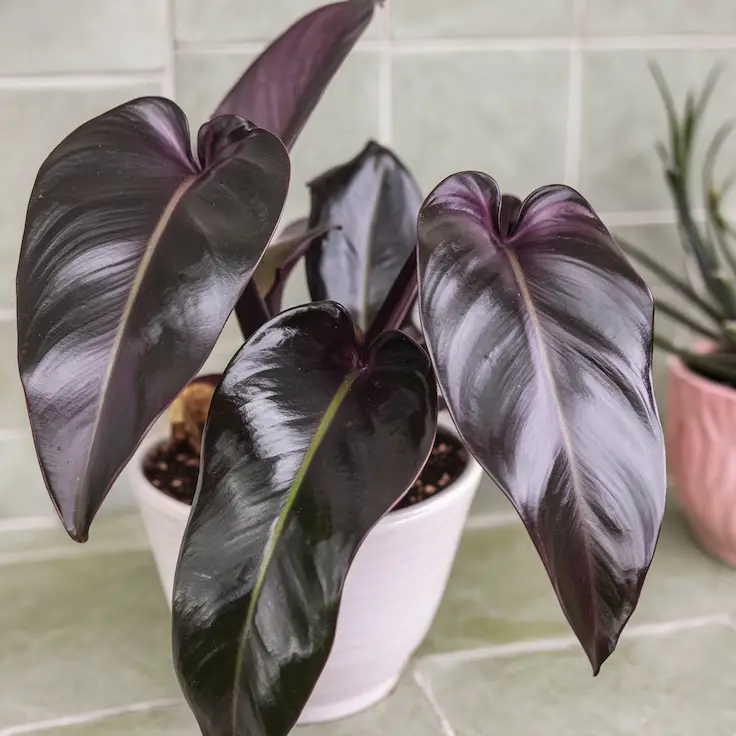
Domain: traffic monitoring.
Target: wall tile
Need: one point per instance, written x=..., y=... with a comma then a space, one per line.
x=244, y=20
x=82, y=635
x=502, y=113
x=479, y=18
x=499, y=591
x=684, y=683
x=405, y=712
x=55, y=36
x=22, y=491
x=174, y=721
x=12, y=404
x=634, y=17
x=115, y=533
x=32, y=123
x=341, y=124
x=623, y=118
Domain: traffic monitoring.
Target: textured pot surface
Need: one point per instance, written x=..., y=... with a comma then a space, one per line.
x=701, y=451
x=391, y=594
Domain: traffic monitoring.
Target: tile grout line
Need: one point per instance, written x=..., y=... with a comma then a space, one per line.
x=494, y=520
x=426, y=689
x=668, y=42
x=501, y=43
x=11, y=434
x=643, y=218
x=94, y=716
x=108, y=80
x=385, y=82
x=70, y=552
x=29, y=524
x=573, y=143
x=169, y=80
x=560, y=643
x=491, y=520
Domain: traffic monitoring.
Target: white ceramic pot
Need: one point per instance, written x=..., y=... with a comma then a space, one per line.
x=391, y=594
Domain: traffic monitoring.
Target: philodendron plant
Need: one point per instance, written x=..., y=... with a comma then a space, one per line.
x=537, y=330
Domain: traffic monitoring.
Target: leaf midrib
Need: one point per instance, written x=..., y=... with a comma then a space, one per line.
x=141, y=272
x=278, y=527
x=537, y=331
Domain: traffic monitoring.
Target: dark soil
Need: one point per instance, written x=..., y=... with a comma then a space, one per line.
x=173, y=467
x=445, y=465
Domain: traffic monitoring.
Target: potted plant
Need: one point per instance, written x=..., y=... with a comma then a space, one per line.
x=536, y=328
x=701, y=414
x=376, y=202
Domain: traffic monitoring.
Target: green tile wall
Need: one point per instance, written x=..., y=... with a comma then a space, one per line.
x=67, y=36
x=623, y=116
x=421, y=19
x=471, y=110
x=659, y=686
x=532, y=91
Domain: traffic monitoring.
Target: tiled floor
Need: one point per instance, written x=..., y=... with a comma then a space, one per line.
x=84, y=645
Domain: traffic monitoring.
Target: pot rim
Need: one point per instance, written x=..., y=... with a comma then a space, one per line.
x=468, y=479
x=678, y=368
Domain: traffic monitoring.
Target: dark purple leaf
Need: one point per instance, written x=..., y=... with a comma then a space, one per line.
x=375, y=201
x=284, y=84
x=280, y=259
x=311, y=438
x=541, y=336
x=133, y=256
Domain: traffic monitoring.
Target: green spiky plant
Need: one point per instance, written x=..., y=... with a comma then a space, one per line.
x=709, y=245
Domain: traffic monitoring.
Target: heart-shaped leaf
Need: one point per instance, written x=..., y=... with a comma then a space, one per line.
x=133, y=256
x=311, y=438
x=283, y=85
x=280, y=259
x=541, y=335
x=375, y=201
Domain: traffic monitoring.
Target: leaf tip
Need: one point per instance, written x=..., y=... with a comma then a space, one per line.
x=77, y=534
x=599, y=650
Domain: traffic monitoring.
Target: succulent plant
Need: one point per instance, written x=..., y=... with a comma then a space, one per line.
x=709, y=241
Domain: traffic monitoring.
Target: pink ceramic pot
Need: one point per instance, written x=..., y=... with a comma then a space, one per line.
x=701, y=450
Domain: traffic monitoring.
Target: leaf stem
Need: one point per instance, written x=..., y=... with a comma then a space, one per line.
x=251, y=311
x=398, y=302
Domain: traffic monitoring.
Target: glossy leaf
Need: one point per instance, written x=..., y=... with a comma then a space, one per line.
x=541, y=335
x=311, y=438
x=281, y=258
x=283, y=85
x=133, y=256
x=375, y=201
